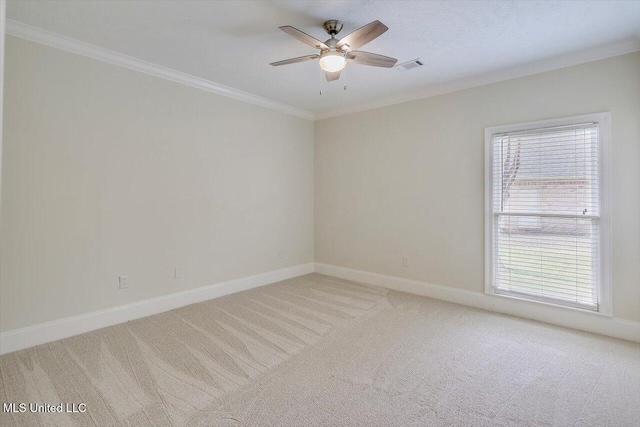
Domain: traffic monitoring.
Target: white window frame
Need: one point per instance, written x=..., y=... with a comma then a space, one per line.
x=604, y=176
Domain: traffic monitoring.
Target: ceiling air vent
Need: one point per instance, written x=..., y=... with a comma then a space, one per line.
x=410, y=64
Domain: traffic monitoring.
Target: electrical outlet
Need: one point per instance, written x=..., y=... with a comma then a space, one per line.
x=178, y=273
x=405, y=261
x=123, y=281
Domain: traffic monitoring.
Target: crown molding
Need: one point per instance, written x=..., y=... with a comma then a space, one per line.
x=58, y=41
x=550, y=64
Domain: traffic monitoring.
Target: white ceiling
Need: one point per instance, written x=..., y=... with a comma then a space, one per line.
x=232, y=42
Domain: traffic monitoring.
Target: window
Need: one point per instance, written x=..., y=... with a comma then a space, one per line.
x=547, y=220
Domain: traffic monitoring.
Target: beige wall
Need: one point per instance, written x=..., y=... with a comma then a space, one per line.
x=110, y=172
x=408, y=180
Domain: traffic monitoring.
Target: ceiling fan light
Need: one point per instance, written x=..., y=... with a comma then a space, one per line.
x=332, y=61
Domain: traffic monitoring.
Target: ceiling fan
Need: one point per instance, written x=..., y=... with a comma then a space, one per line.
x=334, y=54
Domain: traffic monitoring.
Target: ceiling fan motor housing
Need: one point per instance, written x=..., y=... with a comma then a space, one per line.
x=332, y=44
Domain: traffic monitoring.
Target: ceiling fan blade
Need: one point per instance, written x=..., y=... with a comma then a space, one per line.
x=295, y=60
x=332, y=76
x=372, y=59
x=304, y=37
x=362, y=35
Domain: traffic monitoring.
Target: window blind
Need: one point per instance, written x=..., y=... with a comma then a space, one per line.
x=546, y=214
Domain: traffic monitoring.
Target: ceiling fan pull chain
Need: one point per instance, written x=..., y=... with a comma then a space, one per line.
x=345, y=79
x=320, y=81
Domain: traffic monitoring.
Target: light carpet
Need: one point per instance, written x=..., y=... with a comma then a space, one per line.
x=317, y=350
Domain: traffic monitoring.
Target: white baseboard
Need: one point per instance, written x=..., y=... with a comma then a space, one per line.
x=19, y=339
x=562, y=316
